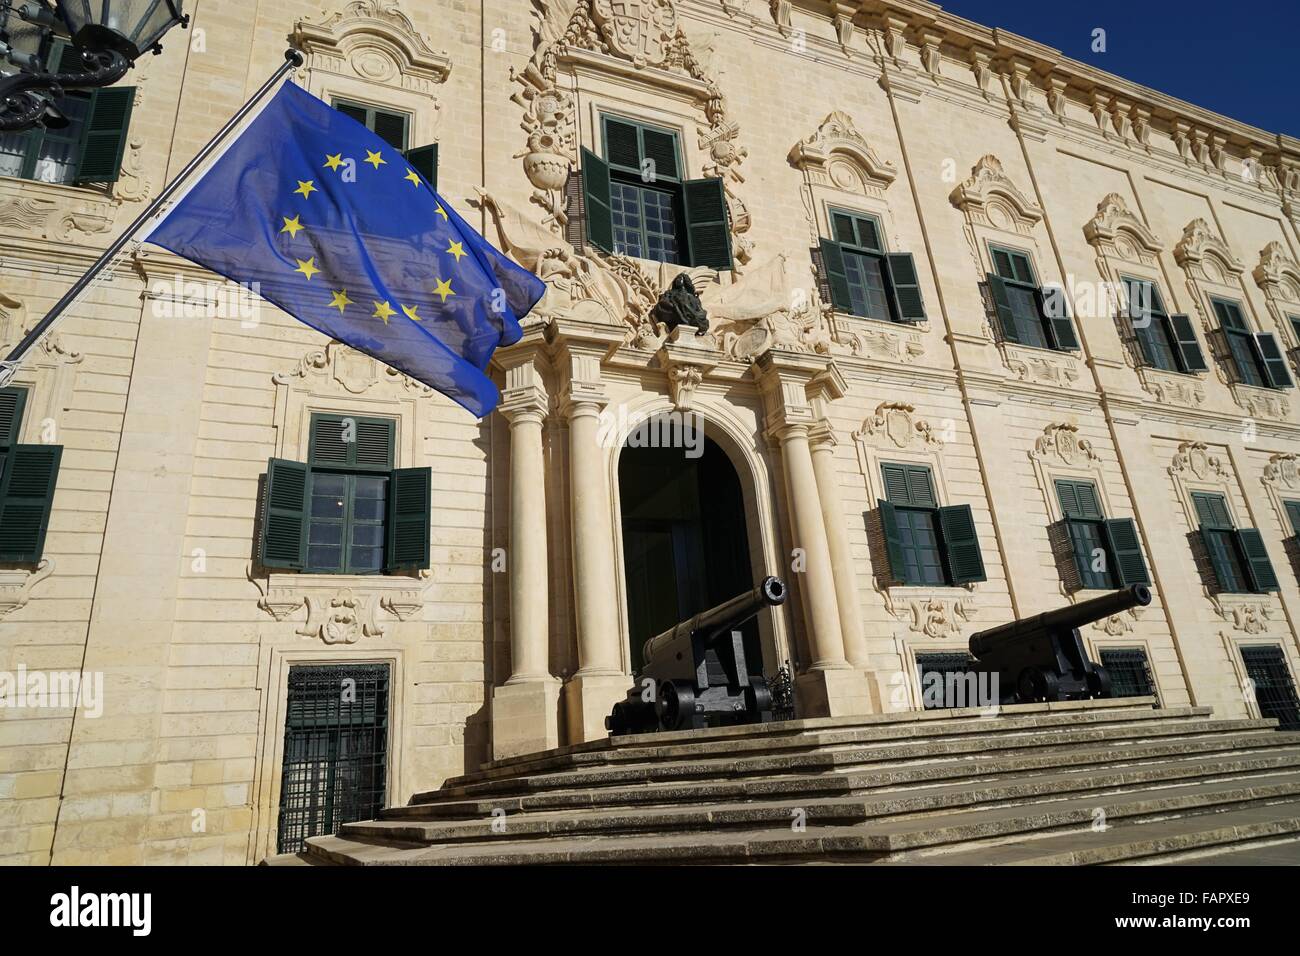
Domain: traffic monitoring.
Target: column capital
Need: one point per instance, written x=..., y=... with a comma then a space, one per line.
x=822, y=436
x=791, y=382
x=524, y=397
x=578, y=352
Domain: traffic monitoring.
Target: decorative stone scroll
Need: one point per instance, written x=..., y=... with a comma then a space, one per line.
x=990, y=198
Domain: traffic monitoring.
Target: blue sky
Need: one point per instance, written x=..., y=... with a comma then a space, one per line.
x=1238, y=59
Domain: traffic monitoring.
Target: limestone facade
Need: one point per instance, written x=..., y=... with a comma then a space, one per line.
x=956, y=138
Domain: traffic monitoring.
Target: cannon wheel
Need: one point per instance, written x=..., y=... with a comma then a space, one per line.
x=1035, y=684
x=675, y=705
x=1099, y=682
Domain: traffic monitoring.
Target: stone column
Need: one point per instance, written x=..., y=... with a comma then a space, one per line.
x=600, y=680
x=837, y=541
x=525, y=709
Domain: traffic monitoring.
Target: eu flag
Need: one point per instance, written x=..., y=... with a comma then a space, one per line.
x=337, y=229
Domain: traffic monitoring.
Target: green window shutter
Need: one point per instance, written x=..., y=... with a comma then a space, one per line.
x=707, y=233
x=353, y=111
x=12, y=402
x=1079, y=500
x=837, y=277
x=622, y=145
x=1293, y=514
x=896, y=490
x=26, y=497
x=284, y=515
x=424, y=160
x=919, y=488
x=1068, y=495
x=1212, y=510
x=374, y=444
x=391, y=128
x=893, y=540
x=1222, y=570
x=842, y=228
x=1006, y=318
x=965, y=563
x=661, y=149
x=104, y=137
x=595, y=192
x=1056, y=310
x=1273, y=360
x=349, y=441
x=905, y=287
x=1143, y=335
x=1258, y=566
x=410, y=507
x=328, y=444
x=1189, y=349
x=1126, y=552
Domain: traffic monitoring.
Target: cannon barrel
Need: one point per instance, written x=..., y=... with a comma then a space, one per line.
x=1063, y=619
x=721, y=620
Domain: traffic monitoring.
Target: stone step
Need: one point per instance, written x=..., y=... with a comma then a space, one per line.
x=859, y=843
x=822, y=811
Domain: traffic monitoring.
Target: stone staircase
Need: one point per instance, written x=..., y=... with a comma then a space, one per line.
x=1079, y=783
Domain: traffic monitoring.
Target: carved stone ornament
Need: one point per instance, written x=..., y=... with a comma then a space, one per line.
x=990, y=198
x=16, y=585
x=1170, y=388
x=1278, y=273
x=1115, y=230
x=1205, y=256
x=838, y=155
x=1194, y=458
x=1284, y=470
x=897, y=423
x=1062, y=441
x=1261, y=402
x=939, y=618
x=373, y=40
x=1032, y=365
x=1117, y=625
x=336, y=613
x=356, y=372
x=639, y=30
x=1246, y=613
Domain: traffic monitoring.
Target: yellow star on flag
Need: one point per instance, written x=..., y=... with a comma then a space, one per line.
x=441, y=212
x=341, y=300
x=413, y=176
x=443, y=289
x=306, y=188
x=307, y=268
x=457, y=250
x=292, y=226
x=383, y=310
x=334, y=162
x=411, y=314
x=374, y=159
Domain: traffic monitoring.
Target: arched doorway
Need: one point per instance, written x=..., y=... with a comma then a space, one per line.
x=685, y=540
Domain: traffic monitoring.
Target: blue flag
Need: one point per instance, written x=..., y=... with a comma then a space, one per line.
x=336, y=228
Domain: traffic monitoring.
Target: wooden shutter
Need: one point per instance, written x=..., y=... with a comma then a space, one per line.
x=1002, y=305
x=284, y=515
x=595, y=194
x=707, y=232
x=1126, y=552
x=103, y=138
x=965, y=562
x=661, y=149
x=370, y=447
x=1212, y=510
x=1079, y=500
x=353, y=111
x=623, y=145
x=837, y=276
x=893, y=540
x=1293, y=514
x=843, y=229
x=1055, y=308
x=1274, y=362
x=424, y=160
x=410, y=496
x=1183, y=335
x=1223, y=571
x=905, y=287
x=391, y=128
x=1258, y=566
x=26, y=497
x=897, y=489
x=12, y=402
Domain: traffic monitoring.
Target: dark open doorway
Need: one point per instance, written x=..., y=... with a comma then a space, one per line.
x=685, y=544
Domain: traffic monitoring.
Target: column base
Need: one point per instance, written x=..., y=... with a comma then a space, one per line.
x=588, y=699
x=838, y=692
x=525, y=717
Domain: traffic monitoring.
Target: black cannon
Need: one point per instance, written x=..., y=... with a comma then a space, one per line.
x=697, y=673
x=1042, y=657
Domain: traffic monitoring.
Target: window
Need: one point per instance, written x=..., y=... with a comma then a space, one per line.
x=1107, y=554
x=1237, y=555
x=1027, y=313
x=1130, y=672
x=1293, y=514
x=395, y=129
x=858, y=277
x=636, y=203
x=87, y=150
x=28, y=474
x=335, y=767
x=926, y=544
x=1166, y=341
x=1271, y=680
x=949, y=681
x=1256, y=356
x=346, y=510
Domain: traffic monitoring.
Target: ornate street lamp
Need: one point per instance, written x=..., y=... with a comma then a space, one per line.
x=110, y=35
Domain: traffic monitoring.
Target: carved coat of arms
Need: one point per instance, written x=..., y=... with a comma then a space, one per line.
x=640, y=30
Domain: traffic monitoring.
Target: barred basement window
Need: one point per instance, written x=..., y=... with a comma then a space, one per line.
x=1165, y=341
x=335, y=768
x=1256, y=357
x=346, y=510
x=1237, y=555
x=1273, y=685
x=28, y=475
x=860, y=278
x=1130, y=673
x=1028, y=313
x=942, y=665
x=1107, y=553
x=926, y=544
x=636, y=203
x=395, y=129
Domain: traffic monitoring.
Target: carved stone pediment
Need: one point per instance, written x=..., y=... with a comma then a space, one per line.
x=1205, y=256
x=642, y=31
x=1278, y=273
x=990, y=198
x=1061, y=440
x=838, y=155
x=1193, y=459
x=1284, y=470
x=373, y=40
x=898, y=424
x=353, y=371
x=1116, y=231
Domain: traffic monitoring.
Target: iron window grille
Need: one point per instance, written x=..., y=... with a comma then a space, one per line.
x=942, y=664
x=1130, y=671
x=1274, y=688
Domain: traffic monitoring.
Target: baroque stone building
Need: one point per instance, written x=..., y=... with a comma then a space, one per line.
x=930, y=402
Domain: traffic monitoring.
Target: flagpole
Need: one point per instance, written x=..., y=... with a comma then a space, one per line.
x=9, y=367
